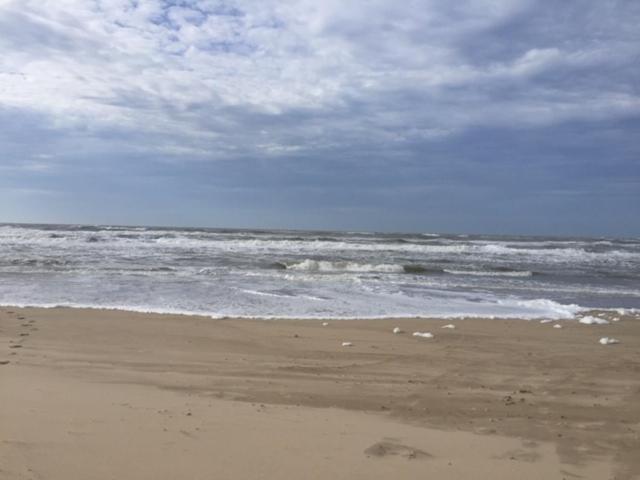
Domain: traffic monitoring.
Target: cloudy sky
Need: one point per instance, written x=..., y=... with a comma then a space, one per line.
x=503, y=116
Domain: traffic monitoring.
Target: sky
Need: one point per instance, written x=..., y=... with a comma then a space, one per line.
x=485, y=116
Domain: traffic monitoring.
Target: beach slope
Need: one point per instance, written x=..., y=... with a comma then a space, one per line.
x=97, y=394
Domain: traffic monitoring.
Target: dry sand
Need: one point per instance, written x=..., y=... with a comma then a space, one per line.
x=90, y=394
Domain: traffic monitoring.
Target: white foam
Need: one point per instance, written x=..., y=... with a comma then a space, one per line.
x=265, y=294
x=347, y=344
x=546, y=320
x=558, y=254
x=489, y=273
x=450, y=325
x=593, y=321
x=239, y=242
x=372, y=304
x=423, y=334
x=333, y=276
x=608, y=341
x=309, y=265
x=397, y=330
x=557, y=325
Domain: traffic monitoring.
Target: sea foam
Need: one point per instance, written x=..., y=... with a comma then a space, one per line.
x=319, y=275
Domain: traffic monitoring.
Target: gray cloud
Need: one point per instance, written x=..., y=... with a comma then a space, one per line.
x=347, y=106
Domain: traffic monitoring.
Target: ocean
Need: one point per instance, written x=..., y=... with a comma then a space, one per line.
x=307, y=274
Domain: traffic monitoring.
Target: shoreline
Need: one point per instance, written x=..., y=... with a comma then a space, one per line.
x=506, y=397
x=581, y=311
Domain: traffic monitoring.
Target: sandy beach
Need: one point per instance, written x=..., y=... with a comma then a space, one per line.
x=298, y=240
x=97, y=394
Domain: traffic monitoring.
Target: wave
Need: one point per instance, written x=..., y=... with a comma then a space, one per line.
x=326, y=266
x=500, y=309
x=35, y=262
x=269, y=243
x=310, y=265
x=490, y=273
x=556, y=254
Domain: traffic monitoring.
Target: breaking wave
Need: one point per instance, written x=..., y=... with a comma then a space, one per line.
x=309, y=265
x=249, y=273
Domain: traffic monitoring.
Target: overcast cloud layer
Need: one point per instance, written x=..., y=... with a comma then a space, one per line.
x=513, y=116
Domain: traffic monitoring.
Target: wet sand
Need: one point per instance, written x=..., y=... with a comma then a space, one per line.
x=97, y=394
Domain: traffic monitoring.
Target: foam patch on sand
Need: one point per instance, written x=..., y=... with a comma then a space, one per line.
x=423, y=334
x=593, y=321
x=608, y=341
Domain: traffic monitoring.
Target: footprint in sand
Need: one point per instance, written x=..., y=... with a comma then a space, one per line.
x=520, y=455
x=15, y=346
x=4, y=362
x=388, y=448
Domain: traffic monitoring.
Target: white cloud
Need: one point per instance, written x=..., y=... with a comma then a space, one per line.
x=363, y=68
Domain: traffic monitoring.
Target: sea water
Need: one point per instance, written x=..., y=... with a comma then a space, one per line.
x=305, y=274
